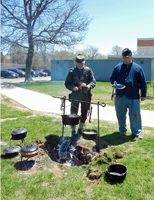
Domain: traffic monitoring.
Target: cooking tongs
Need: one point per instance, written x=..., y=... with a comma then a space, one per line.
x=118, y=87
x=113, y=94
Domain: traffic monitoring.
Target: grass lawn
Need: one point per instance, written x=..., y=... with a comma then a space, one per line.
x=102, y=92
x=51, y=180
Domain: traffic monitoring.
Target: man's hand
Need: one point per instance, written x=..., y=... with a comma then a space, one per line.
x=85, y=85
x=88, y=87
x=115, y=83
x=75, y=89
x=143, y=98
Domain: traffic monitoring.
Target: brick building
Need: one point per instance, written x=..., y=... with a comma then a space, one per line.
x=145, y=47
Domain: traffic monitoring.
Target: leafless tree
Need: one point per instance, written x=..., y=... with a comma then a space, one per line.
x=17, y=55
x=116, y=50
x=2, y=57
x=91, y=52
x=134, y=52
x=56, y=22
x=37, y=63
x=43, y=50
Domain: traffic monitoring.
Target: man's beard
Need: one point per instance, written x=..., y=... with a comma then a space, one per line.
x=80, y=67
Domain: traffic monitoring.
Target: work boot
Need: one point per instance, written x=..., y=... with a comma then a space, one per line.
x=80, y=131
x=73, y=136
x=73, y=133
x=79, y=134
x=123, y=133
x=140, y=137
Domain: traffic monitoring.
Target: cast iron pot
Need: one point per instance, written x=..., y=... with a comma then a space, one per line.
x=29, y=150
x=11, y=150
x=116, y=172
x=89, y=134
x=19, y=133
x=71, y=119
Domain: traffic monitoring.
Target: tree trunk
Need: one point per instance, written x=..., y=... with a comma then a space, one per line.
x=29, y=55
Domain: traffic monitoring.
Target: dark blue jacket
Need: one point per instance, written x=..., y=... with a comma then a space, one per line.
x=74, y=78
x=132, y=77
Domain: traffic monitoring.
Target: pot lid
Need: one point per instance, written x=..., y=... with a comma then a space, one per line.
x=30, y=148
x=12, y=149
x=118, y=86
x=18, y=131
x=2, y=143
x=72, y=116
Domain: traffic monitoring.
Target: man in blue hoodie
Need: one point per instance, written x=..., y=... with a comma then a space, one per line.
x=132, y=76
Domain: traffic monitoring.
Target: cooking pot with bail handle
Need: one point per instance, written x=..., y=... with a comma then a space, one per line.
x=89, y=134
x=71, y=119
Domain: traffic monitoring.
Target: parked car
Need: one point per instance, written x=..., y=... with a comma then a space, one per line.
x=19, y=71
x=48, y=71
x=41, y=73
x=32, y=71
x=23, y=69
x=9, y=74
x=36, y=72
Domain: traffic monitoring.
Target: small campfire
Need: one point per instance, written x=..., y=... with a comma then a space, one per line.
x=71, y=155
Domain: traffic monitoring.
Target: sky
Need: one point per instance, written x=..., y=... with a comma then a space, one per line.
x=118, y=22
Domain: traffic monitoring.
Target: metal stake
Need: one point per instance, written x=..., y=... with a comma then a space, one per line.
x=63, y=104
x=98, y=124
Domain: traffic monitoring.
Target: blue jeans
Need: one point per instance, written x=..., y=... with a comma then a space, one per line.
x=121, y=106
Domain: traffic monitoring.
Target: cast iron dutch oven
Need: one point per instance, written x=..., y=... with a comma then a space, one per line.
x=71, y=119
x=116, y=172
x=89, y=134
x=29, y=150
x=19, y=133
x=11, y=150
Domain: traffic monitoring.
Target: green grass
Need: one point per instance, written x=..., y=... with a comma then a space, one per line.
x=137, y=155
x=72, y=183
x=9, y=112
x=102, y=92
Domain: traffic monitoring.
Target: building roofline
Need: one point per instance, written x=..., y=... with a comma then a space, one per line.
x=145, y=38
x=135, y=56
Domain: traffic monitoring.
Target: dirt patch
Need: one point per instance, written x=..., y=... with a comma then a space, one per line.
x=94, y=174
x=48, y=149
x=48, y=153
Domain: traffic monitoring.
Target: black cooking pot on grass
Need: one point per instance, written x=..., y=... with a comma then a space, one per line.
x=116, y=172
x=11, y=150
x=19, y=133
x=71, y=119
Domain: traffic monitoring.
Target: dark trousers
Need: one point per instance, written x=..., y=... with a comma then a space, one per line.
x=84, y=99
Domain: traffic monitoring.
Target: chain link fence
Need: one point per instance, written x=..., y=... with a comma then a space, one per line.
x=150, y=89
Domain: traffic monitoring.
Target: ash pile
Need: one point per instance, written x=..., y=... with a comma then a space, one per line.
x=71, y=154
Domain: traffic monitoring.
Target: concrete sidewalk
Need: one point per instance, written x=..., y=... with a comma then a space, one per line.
x=45, y=103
